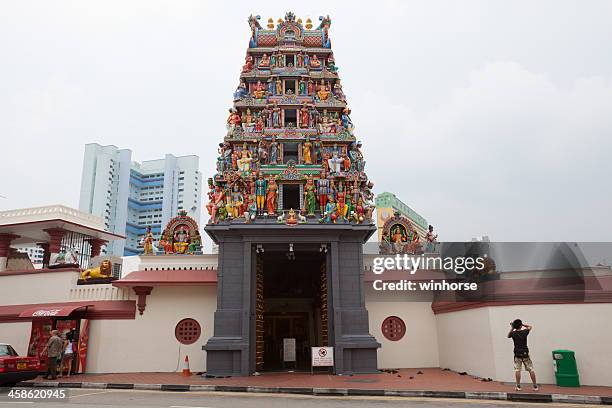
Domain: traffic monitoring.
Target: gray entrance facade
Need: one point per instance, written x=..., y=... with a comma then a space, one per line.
x=233, y=349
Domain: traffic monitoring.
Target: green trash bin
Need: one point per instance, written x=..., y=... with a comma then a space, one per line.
x=566, y=370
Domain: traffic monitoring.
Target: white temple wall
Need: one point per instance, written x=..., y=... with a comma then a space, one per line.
x=148, y=344
x=418, y=348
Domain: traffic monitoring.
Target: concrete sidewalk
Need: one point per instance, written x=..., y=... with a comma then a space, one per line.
x=432, y=382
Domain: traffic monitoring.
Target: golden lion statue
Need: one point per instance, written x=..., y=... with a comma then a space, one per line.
x=104, y=270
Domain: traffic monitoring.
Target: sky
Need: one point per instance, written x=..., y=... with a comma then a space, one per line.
x=486, y=117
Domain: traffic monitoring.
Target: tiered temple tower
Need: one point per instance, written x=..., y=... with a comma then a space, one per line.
x=289, y=172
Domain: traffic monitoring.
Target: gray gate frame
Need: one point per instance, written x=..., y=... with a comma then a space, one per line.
x=231, y=350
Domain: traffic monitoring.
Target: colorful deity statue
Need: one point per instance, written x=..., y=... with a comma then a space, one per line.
x=241, y=91
x=306, y=150
x=180, y=240
x=302, y=86
x=310, y=197
x=147, y=242
x=304, y=115
x=313, y=116
x=233, y=121
x=262, y=151
x=330, y=211
x=346, y=162
x=331, y=64
x=276, y=116
x=248, y=64
x=259, y=123
x=347, y=123
x=310, y=87
x=260, y=90
x=273, y=59
x=335, y=162
x=270, y=85
x=234, y=207
x=318, y=148
x=248, y=121
x=299, y=60
x=322, y=190
x=273, y=156
x=341, y=206
x=244, y=162
x=217, y=202
x=292, y=218
x=306, y=60
x=261, y=188
x=431, y=239
x=278, y=86
x=356, y=157
x=323, y=92
x=264, y=62
x=338, y=92
x=315, y=62
x=251, y=212
x=271, y=196
x=194, y=245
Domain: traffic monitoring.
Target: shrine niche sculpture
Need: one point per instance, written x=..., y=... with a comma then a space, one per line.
x=290, y=123
x=182, y=234
x=400, y=237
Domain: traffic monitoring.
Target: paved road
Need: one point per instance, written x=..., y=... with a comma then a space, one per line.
x=136, y=399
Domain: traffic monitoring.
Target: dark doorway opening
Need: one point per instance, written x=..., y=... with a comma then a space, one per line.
x=291, y=196
x=293, y=296
x=290, y=152
x=290, y=117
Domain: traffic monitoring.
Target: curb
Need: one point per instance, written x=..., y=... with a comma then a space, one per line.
x=485, y=395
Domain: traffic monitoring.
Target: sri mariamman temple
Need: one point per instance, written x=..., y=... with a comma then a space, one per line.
x=290, y=193
x=290, y=208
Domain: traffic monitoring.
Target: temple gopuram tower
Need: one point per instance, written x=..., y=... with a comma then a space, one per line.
x=290, y=208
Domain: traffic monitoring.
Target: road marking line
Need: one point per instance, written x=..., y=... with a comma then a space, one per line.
x=89, y=393
x=185, y=406
x=16, y=402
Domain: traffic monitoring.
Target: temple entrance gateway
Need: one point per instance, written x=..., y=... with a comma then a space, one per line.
x=293, y=303
x=294, y=269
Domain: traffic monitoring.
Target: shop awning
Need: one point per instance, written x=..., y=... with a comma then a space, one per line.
x=59, y=310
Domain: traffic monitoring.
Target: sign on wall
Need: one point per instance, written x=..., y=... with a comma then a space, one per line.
x=288, y=349
x=322, y=356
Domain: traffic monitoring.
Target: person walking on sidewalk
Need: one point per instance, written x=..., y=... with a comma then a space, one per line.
x=518, y=333
x=53, y=349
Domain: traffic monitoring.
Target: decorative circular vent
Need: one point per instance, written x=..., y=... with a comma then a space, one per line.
x=393, y=328
x=187, y=331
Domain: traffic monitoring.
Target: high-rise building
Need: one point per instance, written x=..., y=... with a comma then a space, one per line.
x=132, y=196
x=34, y=253
x=387, y=204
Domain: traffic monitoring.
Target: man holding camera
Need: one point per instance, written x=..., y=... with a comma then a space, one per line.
x=518, y=333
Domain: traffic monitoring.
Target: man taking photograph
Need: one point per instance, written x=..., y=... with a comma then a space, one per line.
x=518, y=333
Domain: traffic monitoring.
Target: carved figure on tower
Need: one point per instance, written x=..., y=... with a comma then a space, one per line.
x=260, y=90
x=241, y=91
x=244, y=162
x=271, y=196
x=265, y=61
x=322, y=190
x=248, y=64
x=335, y=162
x=315, y=62
x=233, y=121
x=261, y=188
x=273, y=151
x=304, y=115
x=306, y=157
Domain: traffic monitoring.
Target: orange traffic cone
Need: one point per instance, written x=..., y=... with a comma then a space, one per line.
x=186, y=372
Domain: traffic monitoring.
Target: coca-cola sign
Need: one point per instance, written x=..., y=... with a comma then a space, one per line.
x=49, y=312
